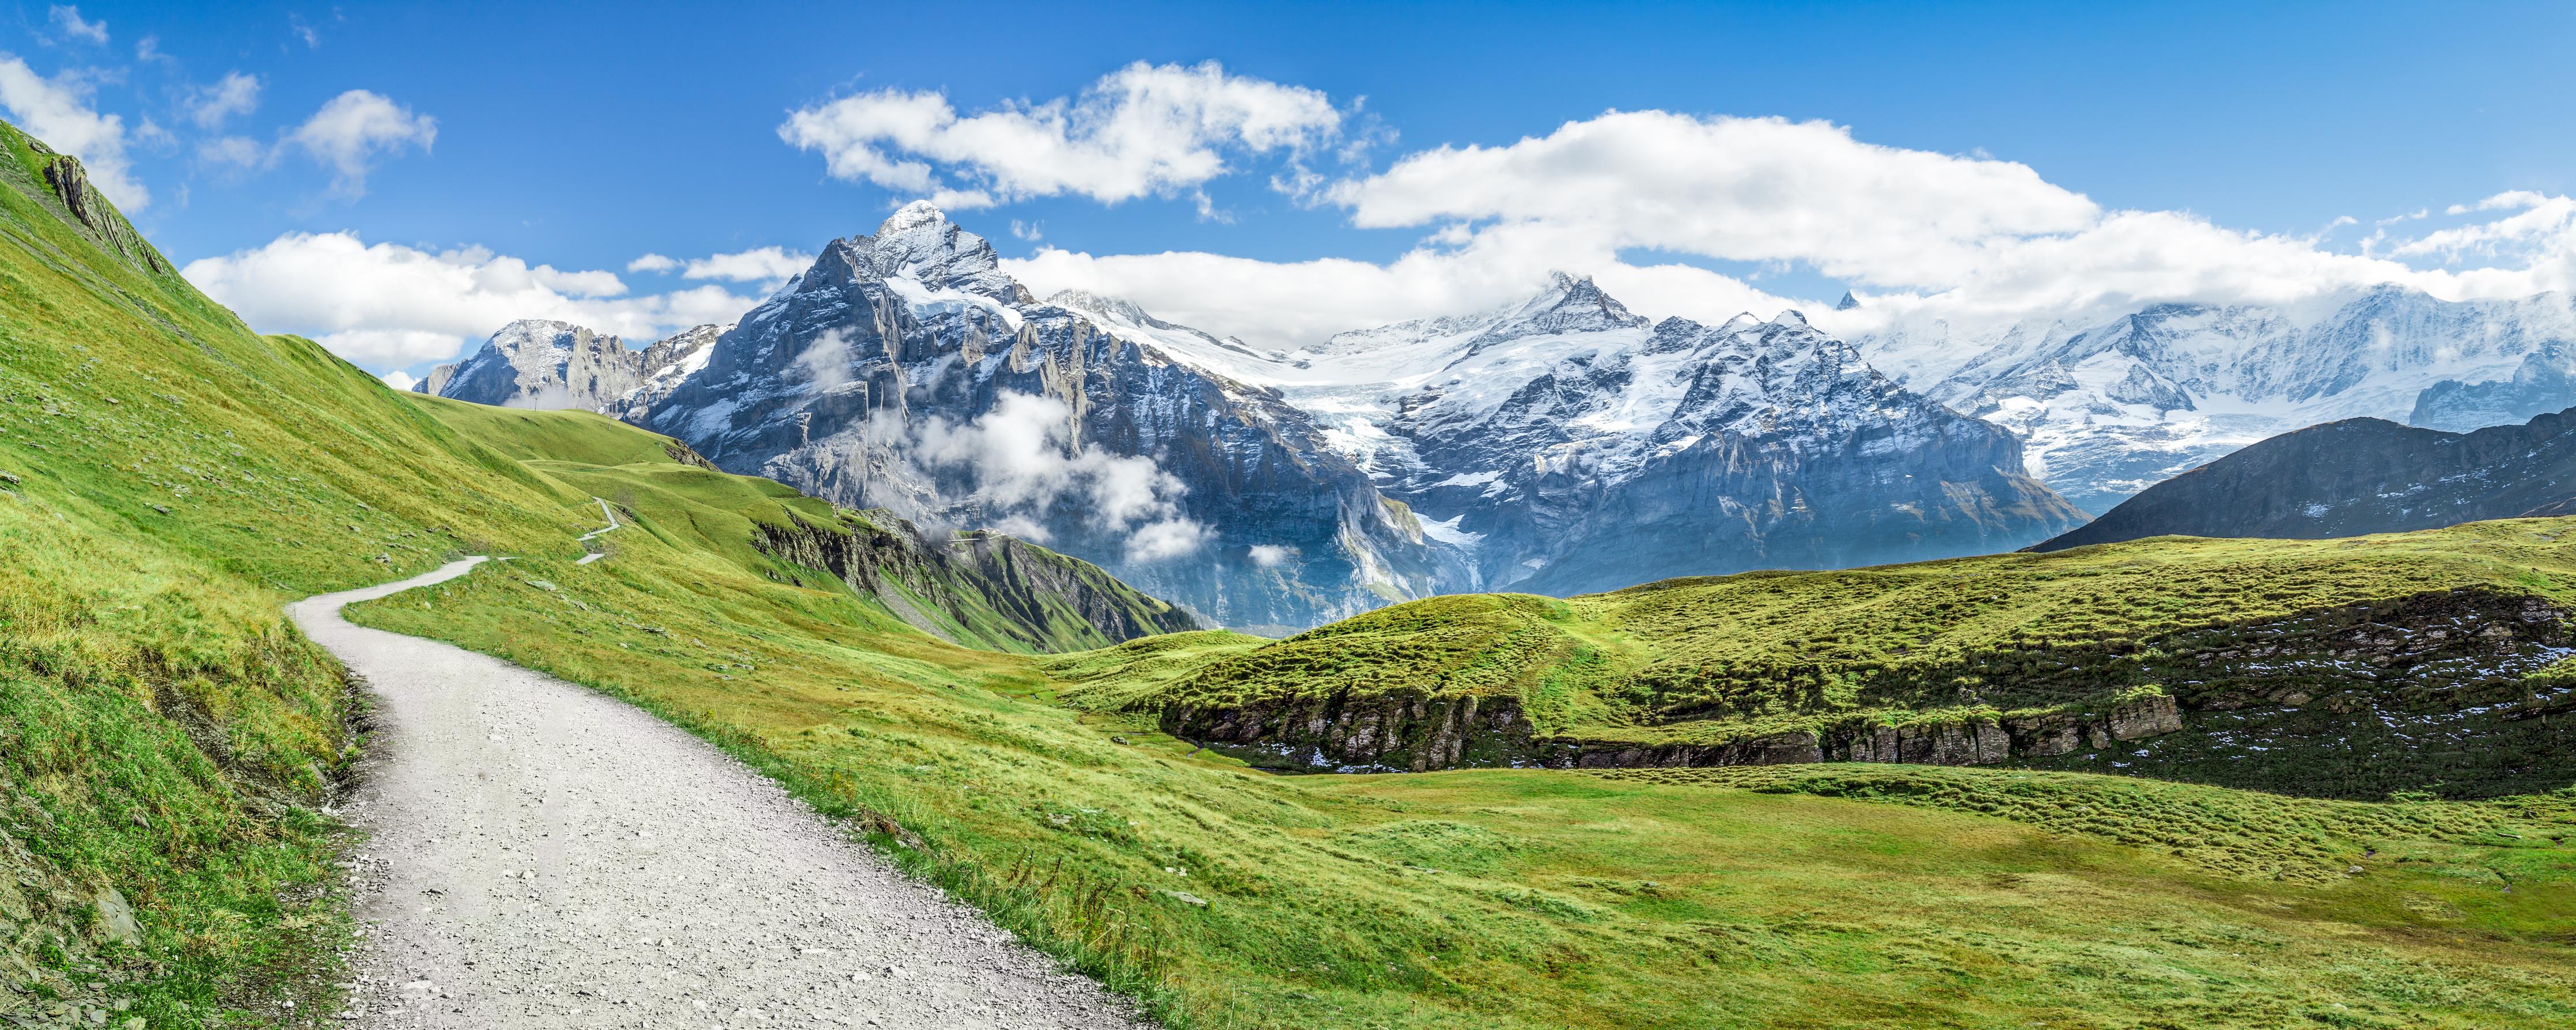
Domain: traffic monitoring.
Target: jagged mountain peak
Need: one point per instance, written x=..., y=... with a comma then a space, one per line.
x=1847, y=303
x=1567, y=305
x=1097, y=304
x=918, y=242
x=914, y=215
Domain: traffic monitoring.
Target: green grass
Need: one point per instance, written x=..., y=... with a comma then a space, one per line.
x=1521, y=898
x=164, y=734
x=2225, y=625
x=171, y=737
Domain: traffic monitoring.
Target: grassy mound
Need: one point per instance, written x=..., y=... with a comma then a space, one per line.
x=2388, y=642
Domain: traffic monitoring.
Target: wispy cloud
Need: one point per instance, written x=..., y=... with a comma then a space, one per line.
x=354, y=129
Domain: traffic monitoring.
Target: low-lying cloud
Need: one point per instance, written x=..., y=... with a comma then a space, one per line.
x=1026, y=470
x=385, y=304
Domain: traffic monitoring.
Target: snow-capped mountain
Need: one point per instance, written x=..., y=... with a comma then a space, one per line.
x=1566, y=445
x=2110, y=407
x=540, y=363
x=1561, y=444
x=904, y=369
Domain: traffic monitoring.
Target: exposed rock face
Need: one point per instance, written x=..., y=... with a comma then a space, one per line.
x=535, y=363
x=2353, y=477
x=664, y=365
x=2110, y=406
x=70, y=184
x=2356, y=701
x=1044, y=601
x=905, y=370
x=1418, y=734
x=1774, y=446
x=1567, y=445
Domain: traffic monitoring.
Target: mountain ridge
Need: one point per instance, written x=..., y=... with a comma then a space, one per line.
x=2351, y=478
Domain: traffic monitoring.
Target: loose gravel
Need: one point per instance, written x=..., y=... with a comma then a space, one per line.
x=541, y=855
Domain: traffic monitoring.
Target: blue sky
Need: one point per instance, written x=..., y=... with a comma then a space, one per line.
x=579, y=138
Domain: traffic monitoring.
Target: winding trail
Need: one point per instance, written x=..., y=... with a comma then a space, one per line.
x=541, y=855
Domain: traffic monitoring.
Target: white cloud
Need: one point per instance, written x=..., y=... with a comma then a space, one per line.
x=1925, y=235
x=1143, y=130
x=1293, y=304
x=58, y=112
x=1030, y=231
x=354, y=128
x=758, y=265
x=400, y=380
x=386, y=304
x=1024, y=464
x=652, y=263
x=1738, y=189
x=1271, y=555
x=68, y=21
x=233, y=151
x=233, y=94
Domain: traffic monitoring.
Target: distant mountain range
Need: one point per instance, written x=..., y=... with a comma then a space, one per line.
x=2108, y=407
x=1560, y=444
x=2356, y=476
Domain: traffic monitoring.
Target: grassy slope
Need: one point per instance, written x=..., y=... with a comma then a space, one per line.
x=163, y=733
x=1479, y=899
x=1508, y=898
x=692, y=507
x=1712, y=659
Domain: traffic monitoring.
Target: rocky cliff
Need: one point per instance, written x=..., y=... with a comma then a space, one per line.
x=2354, y=701
x=2353, y=477
x=976, y=588
x=548, y=365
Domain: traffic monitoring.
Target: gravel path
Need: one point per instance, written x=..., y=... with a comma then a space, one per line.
x=543, y=856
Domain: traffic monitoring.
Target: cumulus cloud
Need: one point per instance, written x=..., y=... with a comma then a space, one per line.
x=1025, y=466
x=758, y=265
x=400, y=380
x=355, y=128
x=652, y=263
x=68, y=21
x=1645, y=201
x=385, y=304
x=1143, y=130
x=1741, y=189
x=233, y=94
x=58, y=112
x=1271, y=555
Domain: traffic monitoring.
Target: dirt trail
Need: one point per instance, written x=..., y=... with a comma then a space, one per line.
x=541, y=855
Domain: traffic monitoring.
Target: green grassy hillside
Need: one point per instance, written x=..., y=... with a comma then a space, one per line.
x=2339, y=667
x=168, y=479
x=168, y=737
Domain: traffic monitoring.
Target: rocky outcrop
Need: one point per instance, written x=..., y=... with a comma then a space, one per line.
x=69, y=183
x=2439, y=690
x=975, y=588
x=1415, y=734
x=541, y=364
x=544, y=364
x=2353, y=477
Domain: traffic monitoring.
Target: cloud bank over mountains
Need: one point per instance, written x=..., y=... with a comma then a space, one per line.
x=1678, y=213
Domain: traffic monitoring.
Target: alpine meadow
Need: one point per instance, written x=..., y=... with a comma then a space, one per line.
x=1075, y=593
